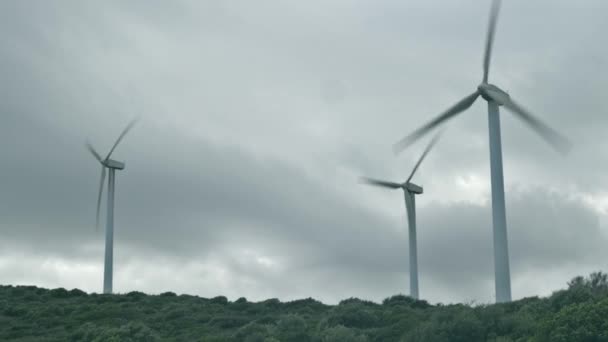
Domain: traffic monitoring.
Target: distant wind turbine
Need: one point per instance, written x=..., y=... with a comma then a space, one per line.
x=112, y=166
x=410, y=190
x=495, y=98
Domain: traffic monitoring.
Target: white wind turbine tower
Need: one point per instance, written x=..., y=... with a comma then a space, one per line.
x=112, y=166
x=410, y=190
x=495, y=98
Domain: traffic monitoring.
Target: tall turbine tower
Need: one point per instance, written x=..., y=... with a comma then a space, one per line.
x=495, y=97
x=409, y=190
x=112, y=166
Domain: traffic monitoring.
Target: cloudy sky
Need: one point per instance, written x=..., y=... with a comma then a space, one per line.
x=258, y=117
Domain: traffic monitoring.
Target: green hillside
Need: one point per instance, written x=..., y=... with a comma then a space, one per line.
x=578, y=313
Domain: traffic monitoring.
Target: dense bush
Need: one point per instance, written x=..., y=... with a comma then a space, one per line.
x=28, y=313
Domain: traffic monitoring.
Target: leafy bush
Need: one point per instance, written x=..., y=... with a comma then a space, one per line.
x=341, y=333
x=219, y=300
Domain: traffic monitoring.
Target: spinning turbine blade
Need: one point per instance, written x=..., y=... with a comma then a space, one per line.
x=380, y=183
x=426, y=151
x=459, y=107
x=93, y=152
x=555, y=139
x=490, y=39
x=122, y=135
x=103, y=177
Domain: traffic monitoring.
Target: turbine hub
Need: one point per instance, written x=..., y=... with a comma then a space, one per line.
x=498, y=95
x=114, y=164
x=411, y=187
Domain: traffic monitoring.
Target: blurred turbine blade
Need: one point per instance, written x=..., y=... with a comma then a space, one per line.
x=459, y=107
x=380, y=183
x=555, y=139
x=122, y=135
x=103, y=177
x=93, y=152
x=490, y=38
x=426, y=151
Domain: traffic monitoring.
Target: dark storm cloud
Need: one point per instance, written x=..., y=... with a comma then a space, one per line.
x=546, y=229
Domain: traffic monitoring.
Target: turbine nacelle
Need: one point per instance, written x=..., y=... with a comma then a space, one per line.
x=113, y=164
x=490, y=92
x=407, y=185
x=413, y=188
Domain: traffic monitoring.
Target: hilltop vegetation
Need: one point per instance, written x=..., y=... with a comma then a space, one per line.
x=27, y=313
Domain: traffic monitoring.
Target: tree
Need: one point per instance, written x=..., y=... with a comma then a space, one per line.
x=341, y=333
x=585, y=322
x=291, y=328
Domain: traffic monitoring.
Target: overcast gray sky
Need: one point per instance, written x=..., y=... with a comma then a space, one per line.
x=258, y=117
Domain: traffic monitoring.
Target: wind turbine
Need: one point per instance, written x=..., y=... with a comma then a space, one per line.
x=112, y=166
x=409, y=190
x=495, y=97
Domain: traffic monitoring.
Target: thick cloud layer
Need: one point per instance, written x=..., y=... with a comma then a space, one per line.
x=257, y=120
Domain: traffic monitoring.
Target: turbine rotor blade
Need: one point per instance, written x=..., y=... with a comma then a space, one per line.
x=122, y=135
x=490, y=38
x=459, y=107
x=380, y=183
x=555, y=139
x=93, y=152
x=426, y=151
x=103, y=177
